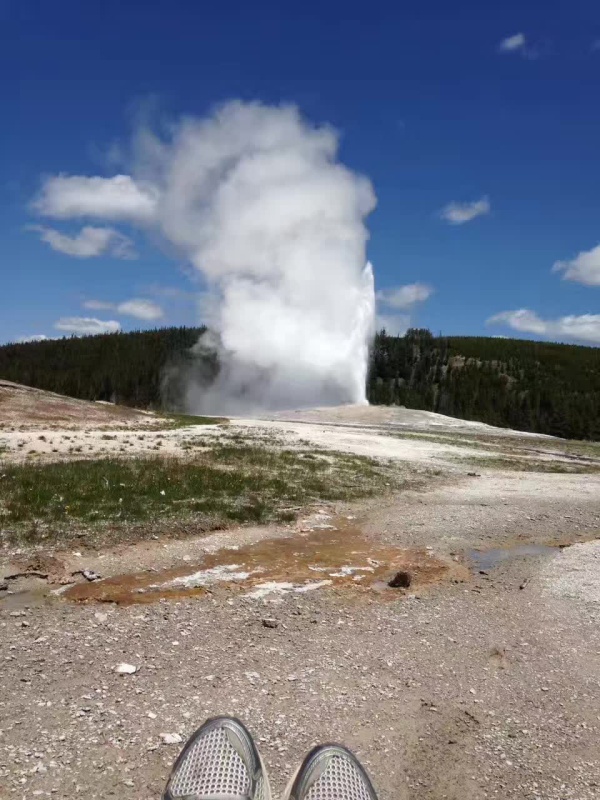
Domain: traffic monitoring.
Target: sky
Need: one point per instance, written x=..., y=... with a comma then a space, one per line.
x=478, y=125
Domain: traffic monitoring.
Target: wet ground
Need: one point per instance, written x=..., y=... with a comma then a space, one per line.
x=331, y=553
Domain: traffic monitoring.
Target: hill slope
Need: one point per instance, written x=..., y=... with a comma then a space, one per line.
x=534, y=386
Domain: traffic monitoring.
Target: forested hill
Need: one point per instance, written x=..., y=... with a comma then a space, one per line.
x=533, y=386
x=126, y=368
x=548, y=388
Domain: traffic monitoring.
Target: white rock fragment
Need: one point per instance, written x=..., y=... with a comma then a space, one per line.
x=125, y=669
x=171, y=738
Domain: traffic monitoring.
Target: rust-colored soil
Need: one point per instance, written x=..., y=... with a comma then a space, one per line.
x=343, y=557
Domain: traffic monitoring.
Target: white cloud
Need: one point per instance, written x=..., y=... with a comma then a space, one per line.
x=584, y=268
x=116, y=198
x=512, y=43
x=404, y=296
x=35, y=337
x=136, y=307
x=459, y=213
x=99, y=305
x=86, y=326
x=142, y=309
x=88, y=243
x=585, y=327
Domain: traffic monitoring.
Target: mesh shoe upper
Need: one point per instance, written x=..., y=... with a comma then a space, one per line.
x=331, y=772
x=219, y=761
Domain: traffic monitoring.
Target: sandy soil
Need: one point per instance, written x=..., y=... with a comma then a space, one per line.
x=468, y=686
x=23, y=408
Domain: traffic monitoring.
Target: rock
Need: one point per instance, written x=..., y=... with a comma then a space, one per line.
x=100, y=616
x=3, y=586
x=269, y=622
x=171, y=738
x=401, y=580
x=125, y=669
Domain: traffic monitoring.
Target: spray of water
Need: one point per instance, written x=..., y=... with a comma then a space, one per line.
x=256, y=200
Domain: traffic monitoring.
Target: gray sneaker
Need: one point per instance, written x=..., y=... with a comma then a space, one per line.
x=330, y=772
x=219, y=762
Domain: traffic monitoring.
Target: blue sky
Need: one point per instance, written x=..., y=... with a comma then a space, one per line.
x=478, y=125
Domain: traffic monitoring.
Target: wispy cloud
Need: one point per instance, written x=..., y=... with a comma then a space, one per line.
x=34, y=337
x=513, y=44
x=137, y=307
x=585, y=327
x=519, y=44
x=584, y=268
x=86, y=326
x=88, y=243
x=459, y=213
x=141, y=309
x=404, y=297
x=116, y=198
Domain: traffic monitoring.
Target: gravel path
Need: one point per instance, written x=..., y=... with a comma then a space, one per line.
x=469, y=690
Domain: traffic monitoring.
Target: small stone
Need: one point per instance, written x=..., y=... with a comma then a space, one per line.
x=151, y=715
x=401, y=580
x=171, y=738
x=269, y=622
x=100, y=616
x=125, y=669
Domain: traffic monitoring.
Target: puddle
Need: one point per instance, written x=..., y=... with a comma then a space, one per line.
x=486, y=560
x=333, y=557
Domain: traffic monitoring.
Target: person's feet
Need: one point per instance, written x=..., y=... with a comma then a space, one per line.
x=219, y=761
x=330, y=772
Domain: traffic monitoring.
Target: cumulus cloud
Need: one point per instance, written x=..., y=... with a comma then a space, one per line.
x=137, y=307
x=585, y=327
x=459, y=213
x=403, y=297
x=86, y=326
x=119, y=198
x=513, y=43
x=255, y=199
x=88, y=243
x=584, y=268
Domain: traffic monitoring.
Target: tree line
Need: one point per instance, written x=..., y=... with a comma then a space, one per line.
x=533, y=386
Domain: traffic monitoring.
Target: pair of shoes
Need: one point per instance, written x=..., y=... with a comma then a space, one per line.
x=220, y=761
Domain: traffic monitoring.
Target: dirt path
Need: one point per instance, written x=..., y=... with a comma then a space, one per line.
x=470, y=689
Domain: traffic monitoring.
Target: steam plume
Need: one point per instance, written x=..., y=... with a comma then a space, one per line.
x=255, y=199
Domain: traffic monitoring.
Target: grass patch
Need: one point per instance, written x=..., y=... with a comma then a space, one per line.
x=186, y=420
x=513, y=464
x=511, y=445
x=225, y=485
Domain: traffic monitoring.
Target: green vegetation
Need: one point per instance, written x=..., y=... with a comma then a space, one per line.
x=223, y=485
x=173, y=421
x=510, y=463
x=133, y=369
x=534, y=386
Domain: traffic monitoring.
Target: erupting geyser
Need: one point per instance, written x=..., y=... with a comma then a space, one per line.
x=255, y=200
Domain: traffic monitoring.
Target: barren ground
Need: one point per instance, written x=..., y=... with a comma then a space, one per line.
x=479, y=680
